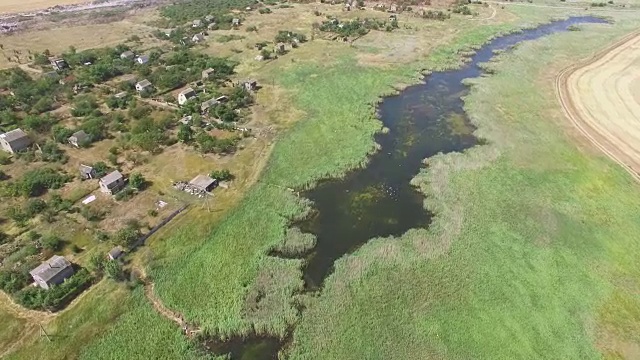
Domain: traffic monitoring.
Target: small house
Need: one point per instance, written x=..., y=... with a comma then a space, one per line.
x=207, y=74
x=212, y=26
x=112, y=182
x=144, y=86
x=115, y=253
x=280, y=48
x=197, y=38
x=14, y=141
x=52, y=272
x=393, y=17
x=79, y=138
x=203, y=183
x=250, y=85
x=222, y=99
x=120, y=95
x=142, y=59
x=196, y=23
x=186, y=95
x=127, y=55
x=393, y=8
x=209, y=18
x=235, y=22
x=205, y=106
x=87, y=172
x=59, y=64
x=186, y=120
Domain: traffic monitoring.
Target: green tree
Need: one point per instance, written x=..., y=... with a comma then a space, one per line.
x=185, y=133
x=127, y=236
x=52, y=242
x=113, y=270
x=137, y=181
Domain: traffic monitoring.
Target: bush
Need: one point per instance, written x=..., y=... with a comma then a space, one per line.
x=127, y=236
x=34, y=207
x=52, y=242
x=125, y=194
x=37, y=182
x=137, y=181
x=265, y=11
x=221, y=175
x=13, y=281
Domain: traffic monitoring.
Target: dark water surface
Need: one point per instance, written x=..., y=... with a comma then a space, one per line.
x=378, y=200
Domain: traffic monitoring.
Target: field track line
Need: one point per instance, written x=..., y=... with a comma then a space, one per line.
x=568, y=106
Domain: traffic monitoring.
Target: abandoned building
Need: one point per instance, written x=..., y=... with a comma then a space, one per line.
x=115, y=253
x=250, y=85
x=186, y=95
x=142, y=59
x=59, y=64
x=112, y=182
x=205, y=106
x=207, y=74
x=52, y=272
x=79, y=138
x=197, y=38
x=143, y=86
x=87, y=172
x=14, y=141
x=127, y=55
x=203, y=183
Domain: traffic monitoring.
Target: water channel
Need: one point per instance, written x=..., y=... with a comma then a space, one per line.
x=378, y=200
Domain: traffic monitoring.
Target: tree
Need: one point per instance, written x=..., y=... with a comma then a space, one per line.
x=221, y=175
x=137, y=181
x=61, y=134
x=127, y=236
x=101, y=168
x=113, y=270
x=185, y=133
x=52, y=242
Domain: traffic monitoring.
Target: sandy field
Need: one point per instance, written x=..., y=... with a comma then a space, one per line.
x=602, y=98
x=13, y=6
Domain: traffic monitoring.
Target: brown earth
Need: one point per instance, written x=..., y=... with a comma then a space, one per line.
x=601, y=98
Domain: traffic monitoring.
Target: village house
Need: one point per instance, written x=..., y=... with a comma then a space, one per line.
x=115, y=253
x=205, y=106
x=142, y=59
x=186, y=95
x=235, y=22
x=79, y=138
x=144, y=86
x=197, y=38
x=207, y=74
x=197, y=23
x=250, y=85
x=203, y=183
x=127, y=55
x=87, y=172
x=120, y=95
x=52, y=272
x=209, y=18
x=14, y=141
x=112, y=182
x=280, y=48
x=59, y=64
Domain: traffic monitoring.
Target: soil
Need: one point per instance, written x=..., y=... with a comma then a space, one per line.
x=600, y=97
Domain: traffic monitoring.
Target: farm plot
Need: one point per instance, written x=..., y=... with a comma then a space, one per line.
x=602, y=98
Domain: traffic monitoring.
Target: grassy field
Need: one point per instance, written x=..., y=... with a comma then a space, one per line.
x=11, y=6
x=531, y=255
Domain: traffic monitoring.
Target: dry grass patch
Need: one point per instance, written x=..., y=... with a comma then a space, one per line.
x=13, y=6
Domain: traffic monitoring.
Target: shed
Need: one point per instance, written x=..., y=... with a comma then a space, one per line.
x=197, y=38
x=112, y=182
x=14, y=140
x=206, y=74
x=115, y=253
x=79, y=138
x=205, y=106
x=250, y=85
x=235, y=22
x=121, y=95
x=142, y=59
x=59, y=64
x=144, y=85
x=209, y=18
x=203, y=182
x=186, y=95
x=127, y=55
x=87, y=172
x=196, y=23
x=52, y=272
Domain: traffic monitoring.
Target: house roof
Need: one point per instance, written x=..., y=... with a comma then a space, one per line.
x=144, y=83
x=197, y=37
x=85, y=169
x=188, y=92
x=111, y=178
x=80, y=135
x=116, y=252
x=202, y=181
x=143, y=58
x=14, y=135
x=50, y=268
x=207, y=104
x=120, y=95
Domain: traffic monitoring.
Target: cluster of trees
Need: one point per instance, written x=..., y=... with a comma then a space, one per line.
x=211, y=144
x=285, y=36
x=182, y=12
x=357, y=27
x=57, y=296
x=33, y=96
x=462, y=9
x=35, y=183
x=221, y=175
x=436, y=15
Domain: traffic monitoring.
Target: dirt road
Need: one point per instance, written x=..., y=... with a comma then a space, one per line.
x=601, y=96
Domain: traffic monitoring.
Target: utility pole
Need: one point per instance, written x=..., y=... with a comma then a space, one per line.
x=44, y=332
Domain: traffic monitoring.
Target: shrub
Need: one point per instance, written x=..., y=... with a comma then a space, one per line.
x=52, y=242
x=58, y=295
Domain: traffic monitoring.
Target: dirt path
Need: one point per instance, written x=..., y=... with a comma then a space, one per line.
x=601, y=97
x=187, y=328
